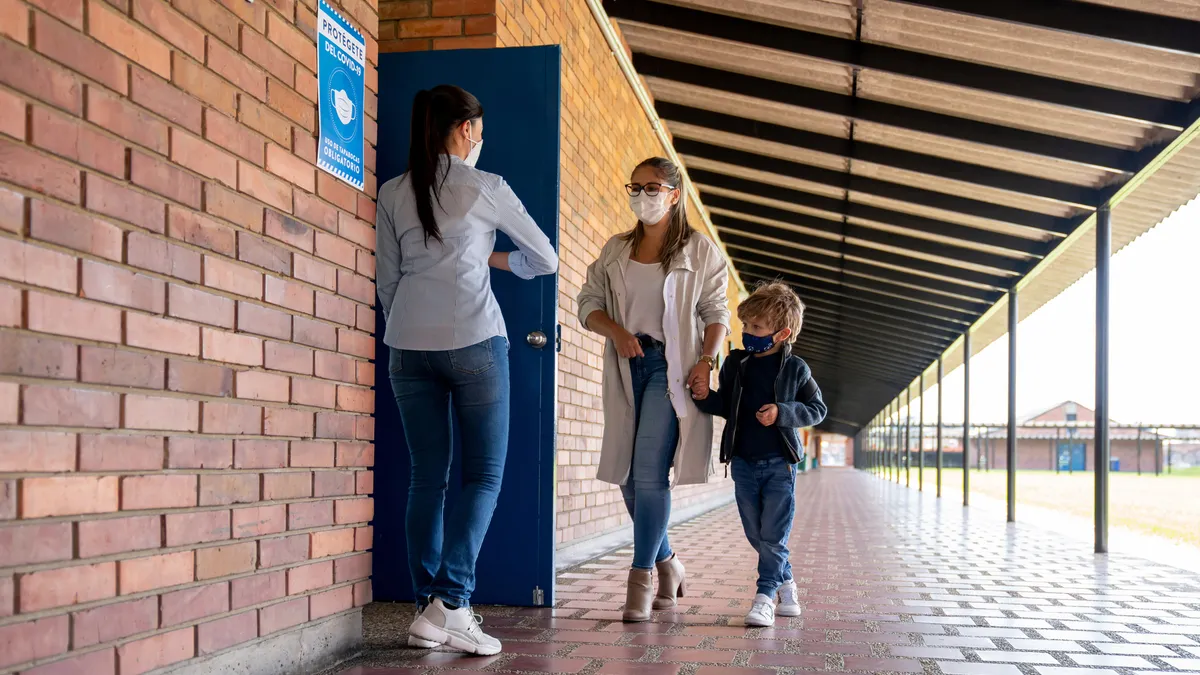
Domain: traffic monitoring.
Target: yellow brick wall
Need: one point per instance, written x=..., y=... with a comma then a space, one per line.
x=605, y=133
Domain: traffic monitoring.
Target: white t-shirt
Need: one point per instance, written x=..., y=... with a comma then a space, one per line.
x=645, y=305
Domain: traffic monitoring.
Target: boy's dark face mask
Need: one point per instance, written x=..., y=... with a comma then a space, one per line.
x=757, y=344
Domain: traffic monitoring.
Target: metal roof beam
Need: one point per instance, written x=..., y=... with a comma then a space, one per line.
x=843, y=229
x=897, y=312
x=832, y=323
x=905, y=193
x=858, y=270
x=888, y=59
x=877, y=257
x=859, y=283
x=1096, y=20
x=845, y=353
x=890, y=114
x=907, y=160
x=836, y=313
x=843, y=334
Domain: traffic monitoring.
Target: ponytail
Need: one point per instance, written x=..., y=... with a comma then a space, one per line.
x=435, y=115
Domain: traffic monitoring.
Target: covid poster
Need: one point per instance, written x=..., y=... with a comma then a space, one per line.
x=341, y=66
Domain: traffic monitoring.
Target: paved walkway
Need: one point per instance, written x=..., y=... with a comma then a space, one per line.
x=893, y=582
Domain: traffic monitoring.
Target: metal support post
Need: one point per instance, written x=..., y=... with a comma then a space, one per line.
x=939, y=429
x=908, y=436
x=1139, y=449
x=967, y=417
x=1010, y=458
x=1103, y=449
x=921, y=437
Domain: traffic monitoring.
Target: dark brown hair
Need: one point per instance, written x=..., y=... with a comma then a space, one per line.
x=436, y=113
x=775, y=304
x=679, y=231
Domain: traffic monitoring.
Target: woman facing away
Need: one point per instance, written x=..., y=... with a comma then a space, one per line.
x=657, y=293
x=448, y=352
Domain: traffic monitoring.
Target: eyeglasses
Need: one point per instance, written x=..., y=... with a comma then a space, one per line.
x=652, y=189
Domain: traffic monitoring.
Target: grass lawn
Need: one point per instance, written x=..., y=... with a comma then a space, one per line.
x=1167, y=505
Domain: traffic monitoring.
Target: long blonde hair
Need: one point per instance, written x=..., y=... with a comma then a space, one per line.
x=679, y=231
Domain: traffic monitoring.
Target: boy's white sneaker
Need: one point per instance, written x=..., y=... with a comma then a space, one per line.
x=789, y=600
x=456, y=628
x=762, y=612
x=417, y=643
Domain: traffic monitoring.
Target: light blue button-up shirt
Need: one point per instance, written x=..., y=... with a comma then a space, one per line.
x=438, y=297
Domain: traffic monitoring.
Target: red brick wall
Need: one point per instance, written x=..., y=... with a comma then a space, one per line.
x=185, y=334
x=605, y=133
x=418, y=25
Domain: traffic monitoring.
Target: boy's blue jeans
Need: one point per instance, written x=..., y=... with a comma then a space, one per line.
x=430, y=388
x=766, y=499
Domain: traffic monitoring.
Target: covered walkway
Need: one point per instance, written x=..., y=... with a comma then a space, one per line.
x=893, y=581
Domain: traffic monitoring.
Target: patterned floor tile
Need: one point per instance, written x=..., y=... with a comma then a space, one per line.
x=891, y=581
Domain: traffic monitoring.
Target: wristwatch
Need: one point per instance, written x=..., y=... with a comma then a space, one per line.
x=712, y=363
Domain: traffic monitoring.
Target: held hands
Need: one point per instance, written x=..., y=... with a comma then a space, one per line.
x=626, y=343
x=698, y=381
x=767, y=414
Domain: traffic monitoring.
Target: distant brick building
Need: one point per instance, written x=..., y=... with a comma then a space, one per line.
x=1060, y=438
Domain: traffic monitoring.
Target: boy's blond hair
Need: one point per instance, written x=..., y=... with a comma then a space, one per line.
x=775, y=304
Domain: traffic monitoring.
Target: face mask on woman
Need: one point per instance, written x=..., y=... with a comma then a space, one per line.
x=650, y=209
x=476, y=148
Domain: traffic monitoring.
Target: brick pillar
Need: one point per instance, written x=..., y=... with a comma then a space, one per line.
x=185, y=340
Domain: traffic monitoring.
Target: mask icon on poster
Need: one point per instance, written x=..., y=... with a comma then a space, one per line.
x=342, y=105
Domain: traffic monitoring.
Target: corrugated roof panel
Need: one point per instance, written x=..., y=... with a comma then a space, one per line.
x=1078, y=58
x=950, y=216
x=737, y=57
x=984, y=155
x=758, y=146
x=749, y=107
x=965, y=189
x=832, y=17
x=1006, y=110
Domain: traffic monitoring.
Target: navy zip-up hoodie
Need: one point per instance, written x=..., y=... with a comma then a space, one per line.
x=796, y=395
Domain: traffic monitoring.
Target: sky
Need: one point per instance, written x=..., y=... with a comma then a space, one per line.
x=1155, y=348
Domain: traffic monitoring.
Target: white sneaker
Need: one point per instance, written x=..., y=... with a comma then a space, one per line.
x=762, y=612
x=458, y=629
x=417, y=643
x=789, y=600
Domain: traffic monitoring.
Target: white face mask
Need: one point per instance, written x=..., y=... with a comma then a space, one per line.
x=476, y=148
x=649, y=209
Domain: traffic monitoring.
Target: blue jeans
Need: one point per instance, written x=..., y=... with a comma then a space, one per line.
x=430, y=388
x=647, y=492
x=766, y=499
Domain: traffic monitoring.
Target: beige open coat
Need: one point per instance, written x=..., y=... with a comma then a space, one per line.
x=695, y=295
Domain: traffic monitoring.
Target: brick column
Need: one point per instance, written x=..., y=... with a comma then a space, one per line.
x=185, y=340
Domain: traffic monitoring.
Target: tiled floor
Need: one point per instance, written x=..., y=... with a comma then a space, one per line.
x=893, y=582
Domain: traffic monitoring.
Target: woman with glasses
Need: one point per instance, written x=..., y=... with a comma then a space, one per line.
x=657, y=295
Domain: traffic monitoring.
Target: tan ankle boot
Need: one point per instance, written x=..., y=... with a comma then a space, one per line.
x=671, y=583
x=638, y=597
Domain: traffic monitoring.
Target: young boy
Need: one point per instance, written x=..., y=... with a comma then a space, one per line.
x=767, y=394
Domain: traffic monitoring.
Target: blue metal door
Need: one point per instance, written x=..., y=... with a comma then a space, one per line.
x=1072, y=456
x=519, y=90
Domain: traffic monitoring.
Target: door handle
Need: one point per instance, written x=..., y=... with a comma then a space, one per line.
x=536, y=339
